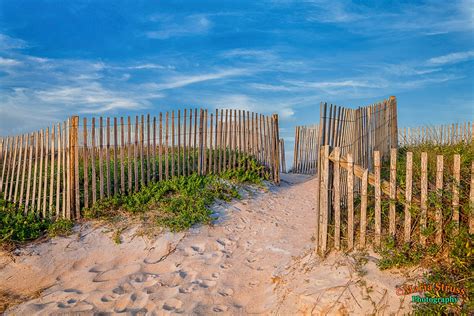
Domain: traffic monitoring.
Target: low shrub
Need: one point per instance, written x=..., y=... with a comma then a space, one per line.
x=180, y=202
x=18, y=227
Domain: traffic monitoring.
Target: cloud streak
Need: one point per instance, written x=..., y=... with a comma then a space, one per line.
x=7, y=62
x=452, y=58
x=426, y=18
x=189, y=25
x=10, y=43
x=182, y=81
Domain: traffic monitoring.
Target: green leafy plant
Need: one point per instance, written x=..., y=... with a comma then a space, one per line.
x=180, y=202
x=18, y=227
x=61, y=227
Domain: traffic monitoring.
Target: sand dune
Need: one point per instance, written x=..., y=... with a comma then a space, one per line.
x=256, y=259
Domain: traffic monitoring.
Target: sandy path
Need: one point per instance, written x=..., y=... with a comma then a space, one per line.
x=224, y=268
x=254, y=260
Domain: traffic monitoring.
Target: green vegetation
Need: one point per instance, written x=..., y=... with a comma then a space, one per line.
x=177, y=203
x=18, y=227
x=60, y=227
x=451, y=262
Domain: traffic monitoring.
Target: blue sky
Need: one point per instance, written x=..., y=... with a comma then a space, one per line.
x=125, y=57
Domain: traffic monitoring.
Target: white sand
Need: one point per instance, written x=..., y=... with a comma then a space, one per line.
x=256, y=259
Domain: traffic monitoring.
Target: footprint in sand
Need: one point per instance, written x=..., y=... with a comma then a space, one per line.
x=225, y=266
x=72, y=291
x=155, y=288
x=254, y=283
x=197, y=249
x=172, y=304
x=205, y=283
x=188, y=289
x=138, y=277
x=239, y=227
x=123, y=302
x=80, y=264
x=102, y=267
x=116, y=273
x=171, y=279
x=225, y=242
x=108, y=298
x=226, y=292
x=220, y=308
x=119, y=290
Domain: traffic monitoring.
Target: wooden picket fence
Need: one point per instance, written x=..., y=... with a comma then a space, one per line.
x=306, y=149
x=359, y=131
x=343, y=225
x=59, y=171
x=447, y=134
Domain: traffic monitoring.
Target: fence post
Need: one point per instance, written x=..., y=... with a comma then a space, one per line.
x=424, y=196
x=337, y=199
x=439, y=189
x=324, y=197
x=408, y=195
x=378, y=199
x=393, y=190
x=350, y=201
x=295, y=151
x=318, y=177
x=276, y=147
x=74, y=203
x=5, y=155
x=85, y=152
x=394, y=122
x=363, y=208
x=457, y=179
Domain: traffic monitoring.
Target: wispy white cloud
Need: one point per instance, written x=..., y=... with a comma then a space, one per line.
x=60, y=87
x=404, y=69
x=169, y=26
x=149, y=66
x=272, y=87
x=417, y=83
x=94, y=98
x=344, y=83
x=37, y=91
x=182, y=81
x=335, y=12
x=349, y=83
x=428, y=18
x=249, y=53
x=8, y=43
x=452, y=58
x=8, y=62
